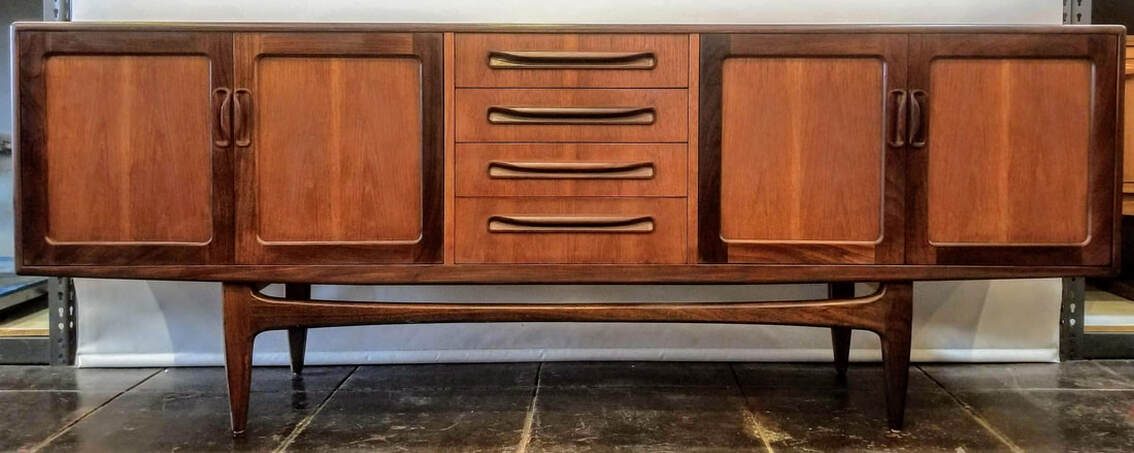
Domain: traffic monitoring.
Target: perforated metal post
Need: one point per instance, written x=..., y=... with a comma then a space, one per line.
x=61, y=318
x=1076, y=11
x=57, y=10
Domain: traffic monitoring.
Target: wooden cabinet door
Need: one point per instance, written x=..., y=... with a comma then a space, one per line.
x=339, y=145
x=121, y=154
x=798, y=157
x=1128, y=131
x=1015, y=159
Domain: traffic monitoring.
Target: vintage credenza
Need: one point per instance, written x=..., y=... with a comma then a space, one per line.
x=431, y=154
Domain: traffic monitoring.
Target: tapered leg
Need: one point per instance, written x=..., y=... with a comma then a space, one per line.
x=840, y=342
x=841, y=336
x=896, y=351
x=238, y=338
x=297, y=336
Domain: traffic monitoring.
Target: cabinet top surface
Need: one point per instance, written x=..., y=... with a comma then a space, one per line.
x=557, y=28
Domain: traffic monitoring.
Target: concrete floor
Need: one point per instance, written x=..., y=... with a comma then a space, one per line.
x=532, y=407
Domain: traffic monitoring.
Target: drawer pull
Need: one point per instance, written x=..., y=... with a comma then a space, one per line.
x=224, y=118
x=544, y=224
x=241, y=117
x=572, y=115
x=571, y=60
x=570, y=170
x=918, y=123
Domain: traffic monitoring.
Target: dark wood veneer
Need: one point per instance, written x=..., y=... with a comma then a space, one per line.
x=247, y=312
x=1104, y=156
x=425, y=48
x=399, y=274
x=33, y=246
x=714, y=247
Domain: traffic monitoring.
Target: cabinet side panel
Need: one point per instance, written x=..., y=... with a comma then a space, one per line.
x=127, y=149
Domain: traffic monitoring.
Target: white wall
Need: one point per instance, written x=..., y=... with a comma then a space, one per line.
x=123, y=323
x=582, y=11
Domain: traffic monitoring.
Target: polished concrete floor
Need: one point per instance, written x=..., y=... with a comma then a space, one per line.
x=572, y=407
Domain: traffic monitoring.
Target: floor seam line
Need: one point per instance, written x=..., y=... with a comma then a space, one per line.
x=57, y=434
x=1109, y=370
x=529, y=418
x=749, y=417
x=303, y=423
x=972, y=412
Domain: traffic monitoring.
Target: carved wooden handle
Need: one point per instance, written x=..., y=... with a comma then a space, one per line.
x=241, y=117
x=498, y=59
x=570, y=224
x=571, y=115
x=570, y=170
x=918, y=134
x=898, y=135
x=223, y=117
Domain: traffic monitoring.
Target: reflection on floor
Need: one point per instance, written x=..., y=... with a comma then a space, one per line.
x=567, y=406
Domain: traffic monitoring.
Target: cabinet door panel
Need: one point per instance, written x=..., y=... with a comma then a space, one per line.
x=329, y=121
x=1015, y=169
x=118, y=155
x=343, y=163
x=796, y=165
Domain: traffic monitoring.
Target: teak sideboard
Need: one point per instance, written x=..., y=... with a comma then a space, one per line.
x=434, y=154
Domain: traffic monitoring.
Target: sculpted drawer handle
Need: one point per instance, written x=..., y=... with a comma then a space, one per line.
x=571, y=115
x=568, y=224
x=898, y=139
x=223, y=117
x=571, y=60
x=918, y=123
x=570, y=170
x=242, y=116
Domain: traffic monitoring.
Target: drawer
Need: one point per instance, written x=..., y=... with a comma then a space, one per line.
x=570, y=115
x=570, y=230
x=566, y=60
x=608, y=169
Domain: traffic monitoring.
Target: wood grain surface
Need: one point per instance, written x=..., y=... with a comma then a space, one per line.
x=129, y=156
x=669, y=52
x=473, y=125
x=665, y=244
x=338, y=154
x=659, y=169
x=794, y=164
x=1010, y=147
x=345, y=158
x=1021, y=161
x=802, y=149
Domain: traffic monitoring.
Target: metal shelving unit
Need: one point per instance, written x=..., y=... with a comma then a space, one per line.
x=36, y=313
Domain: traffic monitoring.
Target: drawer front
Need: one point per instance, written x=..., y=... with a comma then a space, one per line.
x=570, y=115
x=521, y=169
x=565, y=60
x=570, y=230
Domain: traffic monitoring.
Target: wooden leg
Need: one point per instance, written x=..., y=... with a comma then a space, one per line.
x=840, y=342
x=841, y=336
x=239, y=336
x=297, y=336
x=896, y=351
